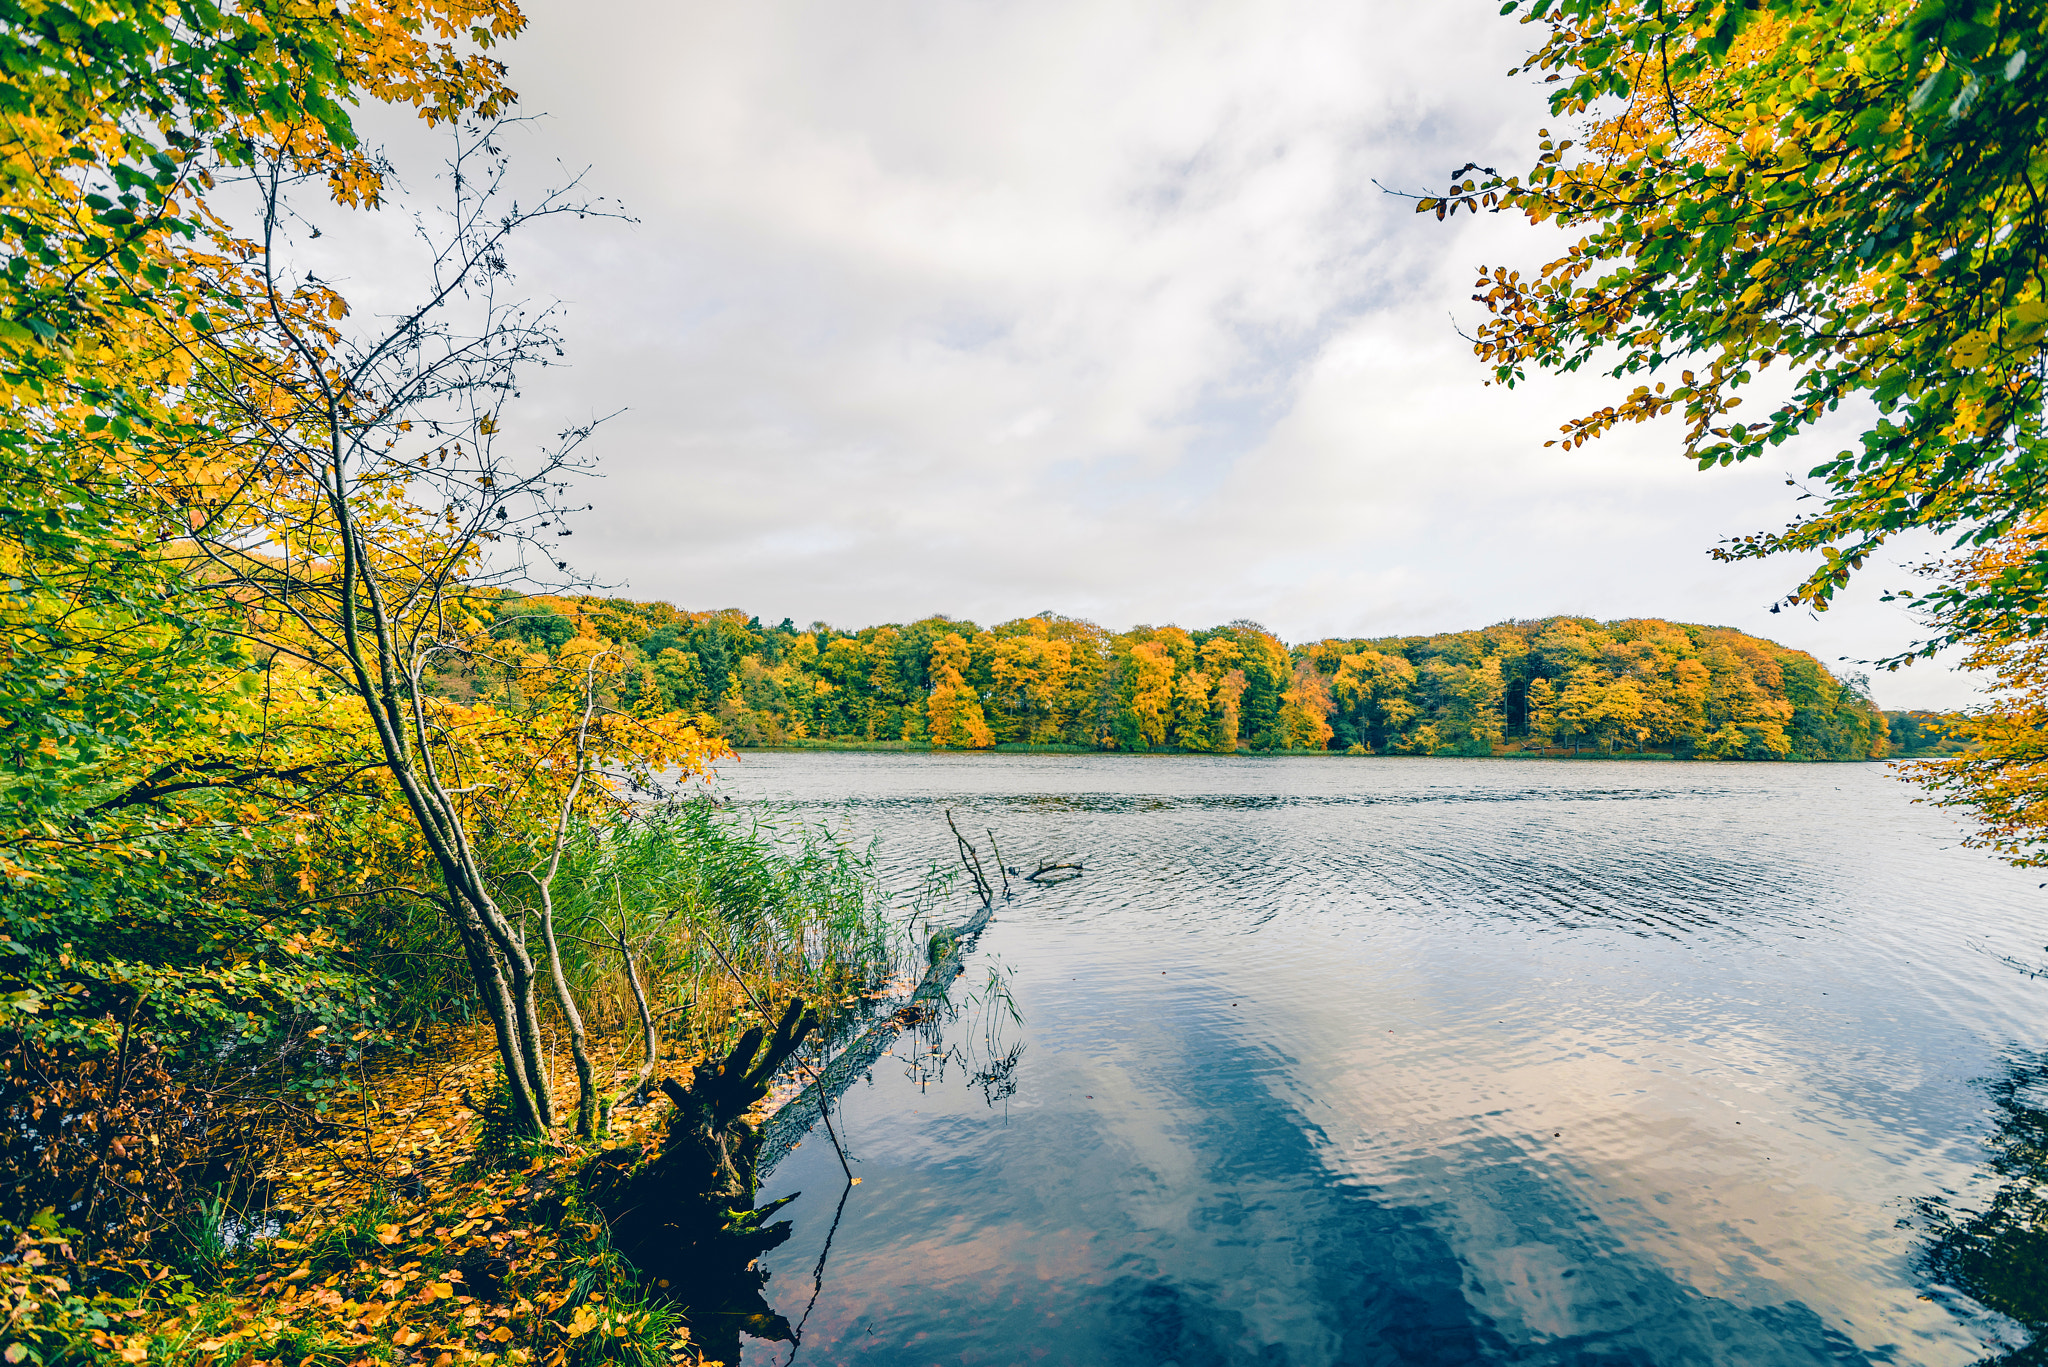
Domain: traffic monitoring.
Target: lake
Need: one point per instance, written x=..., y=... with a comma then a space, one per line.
x=1336, y=1060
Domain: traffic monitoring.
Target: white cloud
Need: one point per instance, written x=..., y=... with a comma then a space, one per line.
x=996, y=307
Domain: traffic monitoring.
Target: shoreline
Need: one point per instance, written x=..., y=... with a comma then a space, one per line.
x=1173, y=752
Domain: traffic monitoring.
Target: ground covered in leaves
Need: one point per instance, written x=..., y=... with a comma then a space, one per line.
x=412, y=1231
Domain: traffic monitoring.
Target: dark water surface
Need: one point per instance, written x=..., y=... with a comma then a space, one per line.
x=1424, y=1061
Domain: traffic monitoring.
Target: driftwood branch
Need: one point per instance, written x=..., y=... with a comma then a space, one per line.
x=682, y=1211
x=999, y=859
x=971, y=861
x=1046, y=866
x=945, y=956
x=837, y=1147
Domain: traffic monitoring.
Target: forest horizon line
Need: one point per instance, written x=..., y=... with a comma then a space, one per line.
x=1564, y=681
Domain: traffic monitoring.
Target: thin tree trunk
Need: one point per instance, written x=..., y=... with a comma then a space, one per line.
x=586, y=1079
x=510, y=1004
x=435, y=810
x=528, y=1018
x=650, y=1042
x=490, y=986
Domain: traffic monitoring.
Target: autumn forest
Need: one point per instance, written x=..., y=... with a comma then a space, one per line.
x=378, y=988
x=1559, y=683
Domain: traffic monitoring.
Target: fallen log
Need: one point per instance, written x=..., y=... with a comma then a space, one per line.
x=683, y=1214
x=945, y=955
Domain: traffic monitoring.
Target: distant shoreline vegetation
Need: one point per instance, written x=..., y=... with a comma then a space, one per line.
x=1553, y=686
x=897, y=747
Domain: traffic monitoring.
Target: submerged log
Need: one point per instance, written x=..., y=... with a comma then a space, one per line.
x=1046, y=867
x=684, y=1214
x=945, y=958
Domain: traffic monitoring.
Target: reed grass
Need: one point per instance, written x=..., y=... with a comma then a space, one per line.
x=721, y=911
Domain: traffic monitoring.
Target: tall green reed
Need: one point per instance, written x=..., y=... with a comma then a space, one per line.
x=793, y=909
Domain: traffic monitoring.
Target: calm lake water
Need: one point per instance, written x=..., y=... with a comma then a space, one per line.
x=1421, y=1061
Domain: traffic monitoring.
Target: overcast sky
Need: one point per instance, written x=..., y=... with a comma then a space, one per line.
x=986, y=308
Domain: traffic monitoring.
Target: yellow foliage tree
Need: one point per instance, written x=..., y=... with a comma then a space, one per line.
x=2001, y=779
x=953, y=709
x=1305, y=710
x=1151, y=691
x=1191, y=721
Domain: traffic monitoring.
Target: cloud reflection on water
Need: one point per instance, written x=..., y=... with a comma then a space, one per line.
x=1632, y=1067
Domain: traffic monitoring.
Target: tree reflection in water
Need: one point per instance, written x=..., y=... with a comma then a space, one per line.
x=973, y=1035
x=795, y=1337
x=1998, y=1254
x=979, y=1025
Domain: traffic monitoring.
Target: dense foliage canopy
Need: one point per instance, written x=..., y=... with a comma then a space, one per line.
x=229, y=818
x=176, y=813
x=1047, y=680
x=1850, y=193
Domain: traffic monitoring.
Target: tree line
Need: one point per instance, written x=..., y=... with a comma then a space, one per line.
x=1046, y=680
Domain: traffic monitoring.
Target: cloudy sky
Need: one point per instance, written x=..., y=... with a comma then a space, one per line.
x=983, y=308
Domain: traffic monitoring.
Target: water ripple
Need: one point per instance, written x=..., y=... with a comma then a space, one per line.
x=1360, y=1061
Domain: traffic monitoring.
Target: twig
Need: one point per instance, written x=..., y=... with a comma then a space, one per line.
x=971, y=861
x=586, y=1081
x=646, y=1020
x=818, y=1276
x=999, y=859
